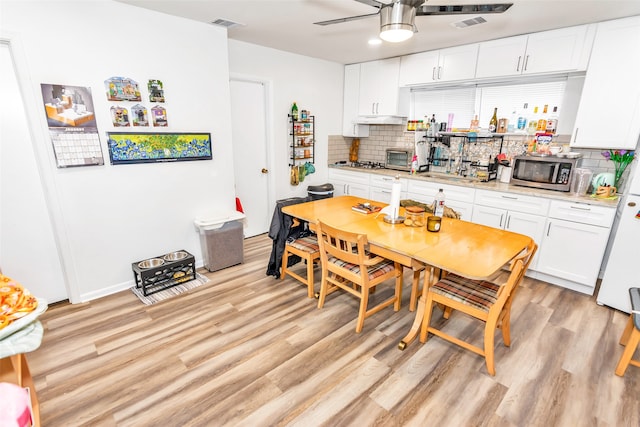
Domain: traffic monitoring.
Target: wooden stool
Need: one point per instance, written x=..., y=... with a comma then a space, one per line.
x=306, y=248
x=631, y=335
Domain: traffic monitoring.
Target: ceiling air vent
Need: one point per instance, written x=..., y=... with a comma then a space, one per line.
x=226, y=23
x=469, y=22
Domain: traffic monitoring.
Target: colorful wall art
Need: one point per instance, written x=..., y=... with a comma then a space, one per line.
x=122, y=89
x=133, y=147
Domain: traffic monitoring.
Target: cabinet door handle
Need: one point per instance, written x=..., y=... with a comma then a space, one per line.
x=548, y=228
x=385, y=191
x=526, y=62
x=508, y=197
x=373, y=108
x=518, y=66
x=501, y=217
x=439, y=73
x=580, y=208
x=377, y=105
x=575, y=135
x=433, y=74
x=354, y=129
x=508, y=222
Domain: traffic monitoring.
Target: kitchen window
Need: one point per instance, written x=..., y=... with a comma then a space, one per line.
x=465, y=102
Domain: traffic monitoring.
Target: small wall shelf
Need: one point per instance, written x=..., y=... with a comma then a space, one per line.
x=303, y=139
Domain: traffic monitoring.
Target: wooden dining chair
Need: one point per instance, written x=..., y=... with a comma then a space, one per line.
x=482, y=299
x=631, y=335
x=347, y=265
x=306, y=248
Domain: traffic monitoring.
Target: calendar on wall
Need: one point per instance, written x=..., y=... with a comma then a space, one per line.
x=72, y=125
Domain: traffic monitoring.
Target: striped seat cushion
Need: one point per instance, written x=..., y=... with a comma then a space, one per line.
x=307, y=244
x=476, y=293
x=376, y=270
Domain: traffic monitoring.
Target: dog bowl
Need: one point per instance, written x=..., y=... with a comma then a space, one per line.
x=175, y=256
x=150, y=263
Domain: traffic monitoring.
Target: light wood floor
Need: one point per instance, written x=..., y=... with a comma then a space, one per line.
x=247, y=349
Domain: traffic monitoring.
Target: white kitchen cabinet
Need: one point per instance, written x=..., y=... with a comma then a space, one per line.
x=349, y=183
x=444, y=65
x=379, y=90
x=380, y=188
x=350, y=103
x=566, y=49
x=514, y=212
x=611, y=93
x=458, y=198
x=574, y=243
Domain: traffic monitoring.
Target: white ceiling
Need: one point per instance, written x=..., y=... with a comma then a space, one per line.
x=288, y=24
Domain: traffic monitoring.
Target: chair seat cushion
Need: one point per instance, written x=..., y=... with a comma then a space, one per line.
x=476, y=293
x=375, y=270
x=307, y=244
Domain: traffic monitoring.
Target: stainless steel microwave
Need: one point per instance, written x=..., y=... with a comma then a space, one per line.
x=549, y=172
x=401, y=158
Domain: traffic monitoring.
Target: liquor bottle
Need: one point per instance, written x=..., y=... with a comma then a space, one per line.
x=533, y=122
x=294, y=111
x=522, y=119
x=493, y=123
x=542, y=120
x=512, y=124
x=552, y=123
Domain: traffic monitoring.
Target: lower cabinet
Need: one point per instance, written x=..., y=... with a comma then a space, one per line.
x=458, y=198
x=573, y=245
x=380, y=188
x=349, y=183
x=521, y=214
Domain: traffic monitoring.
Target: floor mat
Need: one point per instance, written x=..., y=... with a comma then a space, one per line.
x=171, y=292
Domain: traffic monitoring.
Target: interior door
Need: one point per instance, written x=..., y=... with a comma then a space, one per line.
x=28, y=251
x=251, y=166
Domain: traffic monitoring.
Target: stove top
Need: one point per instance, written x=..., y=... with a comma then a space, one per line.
x=367, y=165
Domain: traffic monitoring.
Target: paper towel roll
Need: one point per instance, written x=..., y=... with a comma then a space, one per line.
x=396, y=189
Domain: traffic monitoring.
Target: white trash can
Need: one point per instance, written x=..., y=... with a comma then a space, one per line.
x=221, y=241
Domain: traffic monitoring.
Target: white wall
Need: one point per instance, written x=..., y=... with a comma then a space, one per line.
x=314, y=84
x=106, y=217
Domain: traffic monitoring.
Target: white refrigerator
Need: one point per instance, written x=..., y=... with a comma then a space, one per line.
x=623, y=267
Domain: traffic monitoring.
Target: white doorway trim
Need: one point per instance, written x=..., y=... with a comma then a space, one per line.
x=39, y=138
x=268, y=138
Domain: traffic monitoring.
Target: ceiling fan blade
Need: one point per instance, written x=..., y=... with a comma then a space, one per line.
x=463, y=9
x=350, y=18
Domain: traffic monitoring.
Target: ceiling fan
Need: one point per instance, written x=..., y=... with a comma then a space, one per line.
x=397, y=18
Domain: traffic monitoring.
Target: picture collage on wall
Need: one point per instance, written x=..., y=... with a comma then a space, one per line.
x=124, y=89
x=72, y=125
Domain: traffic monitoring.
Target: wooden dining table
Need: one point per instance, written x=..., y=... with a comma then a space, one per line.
x=465, y=248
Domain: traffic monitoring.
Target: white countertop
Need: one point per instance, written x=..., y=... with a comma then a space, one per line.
x=494, y=185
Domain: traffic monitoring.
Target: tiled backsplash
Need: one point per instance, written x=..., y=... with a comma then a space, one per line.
x=381, y=137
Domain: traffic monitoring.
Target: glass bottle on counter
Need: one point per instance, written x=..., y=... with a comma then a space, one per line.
x=475, y=124
x=493, y=123
x=533, y=123
x=438, y=203
x=542, y=121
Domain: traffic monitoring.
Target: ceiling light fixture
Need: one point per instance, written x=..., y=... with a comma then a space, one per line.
x=397, y=22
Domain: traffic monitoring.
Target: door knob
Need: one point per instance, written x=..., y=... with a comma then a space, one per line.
x=265, y=170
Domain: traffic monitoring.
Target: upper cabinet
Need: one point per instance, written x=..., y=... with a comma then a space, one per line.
x=566, y=49
x=611, y=93
x=445, y=65
x=379, y=88
x=350, y=103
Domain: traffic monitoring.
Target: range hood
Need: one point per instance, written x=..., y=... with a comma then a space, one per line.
x=380, y=120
